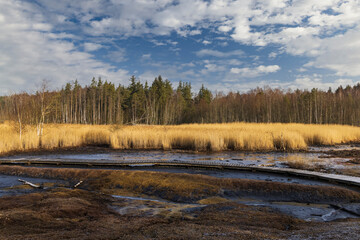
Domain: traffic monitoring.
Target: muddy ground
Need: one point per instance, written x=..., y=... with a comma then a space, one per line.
x=79, y=214
x=165, y=205
x=352, y=159
x=353, y=154
x=155, y=205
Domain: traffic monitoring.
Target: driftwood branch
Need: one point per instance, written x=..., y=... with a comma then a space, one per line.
x=29, y=183
x=78, y=184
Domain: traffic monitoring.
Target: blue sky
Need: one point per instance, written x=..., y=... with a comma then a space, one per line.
x=228, y=45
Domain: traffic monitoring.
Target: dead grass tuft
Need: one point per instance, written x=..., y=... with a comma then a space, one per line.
x=213, y=200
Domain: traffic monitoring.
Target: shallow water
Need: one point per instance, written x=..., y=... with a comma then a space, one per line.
x=274, y=159
x=7, y=182
x=309, y=212
x=246, y=158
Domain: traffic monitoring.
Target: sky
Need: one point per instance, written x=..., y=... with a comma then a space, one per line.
x=227, y=45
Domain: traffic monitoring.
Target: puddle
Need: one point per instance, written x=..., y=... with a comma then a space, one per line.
x=312, y=213
x=8, y=185
x=137, y=206
x=308, y=211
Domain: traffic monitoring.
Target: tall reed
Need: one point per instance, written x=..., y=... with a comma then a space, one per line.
x=199, y=137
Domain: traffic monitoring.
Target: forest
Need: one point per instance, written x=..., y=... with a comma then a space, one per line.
x=161, y=103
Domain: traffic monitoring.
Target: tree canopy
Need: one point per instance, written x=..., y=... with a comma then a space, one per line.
x=101, y=102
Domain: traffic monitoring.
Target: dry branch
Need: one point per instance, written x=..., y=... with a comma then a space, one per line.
x=78, y=184
x=29, y=183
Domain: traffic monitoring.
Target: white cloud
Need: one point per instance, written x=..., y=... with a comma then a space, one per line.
x=145, y=57
x=211, y=67
x=194, y=32
x=89, y=47
x=118, y=55
x=131, y=17
x=36, y=37
x=224, y=28
x=302, y=69
x=206, y=42
x=234, y=62
x=341, y=54
x=255, y=72
x=302, y=82
x=273, y=55
x=30, y=53
x=316, y=81
x=223, y=44
x=190, y=64
x=157, y=43
x=216, y=53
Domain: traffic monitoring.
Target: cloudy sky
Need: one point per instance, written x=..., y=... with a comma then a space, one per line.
x=225, y=44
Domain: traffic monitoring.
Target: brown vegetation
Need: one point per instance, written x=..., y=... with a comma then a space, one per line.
x=199, y=137
x=186, y=187
x=78, y=214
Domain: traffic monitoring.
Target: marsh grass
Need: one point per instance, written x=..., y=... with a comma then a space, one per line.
x=182, y=187
x=198, y=137
x=299, y=162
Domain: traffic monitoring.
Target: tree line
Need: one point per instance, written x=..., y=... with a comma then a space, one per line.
x=101, y=102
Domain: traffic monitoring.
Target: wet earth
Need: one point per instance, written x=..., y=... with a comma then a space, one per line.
x=333, y=159
x=11, y=186
x=330, y=159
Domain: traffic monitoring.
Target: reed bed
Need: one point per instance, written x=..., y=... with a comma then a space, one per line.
x=197, y=137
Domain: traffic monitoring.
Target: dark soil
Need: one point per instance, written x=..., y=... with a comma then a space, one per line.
x=96, y=149
x=354, y=159
x=79, y=214
x=342, y=154
x=88, y=213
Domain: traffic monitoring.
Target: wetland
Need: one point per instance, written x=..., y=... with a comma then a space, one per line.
x=139, y=201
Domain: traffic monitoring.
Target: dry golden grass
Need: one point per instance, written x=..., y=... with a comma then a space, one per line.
x=199, y=137
x=213, y=200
